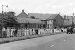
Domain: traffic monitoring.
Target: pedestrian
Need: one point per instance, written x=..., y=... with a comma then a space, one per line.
x=61, y=30
x=15, y=32
x=3, y=32
x=36, y=31
x=53, y=30
x=71, y=30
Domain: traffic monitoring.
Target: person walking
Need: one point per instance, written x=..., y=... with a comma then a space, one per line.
x=36, y=31
x=15, y=33
x=3, y=32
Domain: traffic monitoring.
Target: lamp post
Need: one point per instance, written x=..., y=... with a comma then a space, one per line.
x=3, y=16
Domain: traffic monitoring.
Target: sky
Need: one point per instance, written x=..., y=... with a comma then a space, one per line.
x=65, y=7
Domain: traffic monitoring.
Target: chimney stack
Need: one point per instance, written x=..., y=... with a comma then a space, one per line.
x=23, y=10
x=64, y=16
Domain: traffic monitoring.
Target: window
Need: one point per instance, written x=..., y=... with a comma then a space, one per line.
x=51, y=20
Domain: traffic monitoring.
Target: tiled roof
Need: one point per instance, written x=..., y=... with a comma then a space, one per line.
x=70, y=19
x=42, y=16
x=29, y=20
x=23, y=14
x=67, y=22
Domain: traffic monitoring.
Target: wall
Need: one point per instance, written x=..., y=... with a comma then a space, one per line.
x=58, y=21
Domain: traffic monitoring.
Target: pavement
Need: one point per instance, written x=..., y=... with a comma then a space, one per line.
x=52, y=42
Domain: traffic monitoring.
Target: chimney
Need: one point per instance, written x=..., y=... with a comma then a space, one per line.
x=23, y=10
x=64, y=16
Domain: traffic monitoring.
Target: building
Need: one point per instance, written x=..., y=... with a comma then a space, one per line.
x=58, y=21
x=68, y=21
x=51, y=20
x=27, y=22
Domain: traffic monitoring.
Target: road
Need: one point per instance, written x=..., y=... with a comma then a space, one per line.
x=53, y=42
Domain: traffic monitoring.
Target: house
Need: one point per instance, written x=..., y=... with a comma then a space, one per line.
x=51, y=20
x=68, y=21
x=22, y=14
x=58, y=21
x=28, y=22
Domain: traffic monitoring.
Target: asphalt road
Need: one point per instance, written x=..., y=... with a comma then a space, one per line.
x=54, y=42
x=64, y=43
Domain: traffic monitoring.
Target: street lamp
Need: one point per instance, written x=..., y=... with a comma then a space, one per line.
x=3, y=16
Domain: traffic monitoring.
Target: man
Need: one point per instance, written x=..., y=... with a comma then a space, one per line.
x=3, y=32
x=71, y=30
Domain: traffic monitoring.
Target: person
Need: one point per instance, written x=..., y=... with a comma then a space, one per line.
x=8, y=32
x=12, y=32
x=53, y=30
x=61, y=30
x=68, y=30
x=36, y=31
x=3, y=32
x=15, y=32
x=71, y=30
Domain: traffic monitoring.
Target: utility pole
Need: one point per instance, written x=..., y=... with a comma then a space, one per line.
x=3, y=17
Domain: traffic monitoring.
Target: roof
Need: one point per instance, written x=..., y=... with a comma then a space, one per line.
x=23, y=14
x=29, y=20
x=70, y=19
x=42, y=16
x=67, y=22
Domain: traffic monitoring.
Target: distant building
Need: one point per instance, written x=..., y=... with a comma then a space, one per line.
x=68, y=21
x=51, y=20
x=28, y=22
x=22, y=14
x=58, y=21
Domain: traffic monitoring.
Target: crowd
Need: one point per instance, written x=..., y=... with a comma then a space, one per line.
x=19, y=32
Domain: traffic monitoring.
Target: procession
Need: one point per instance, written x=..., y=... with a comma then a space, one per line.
x=12, y=32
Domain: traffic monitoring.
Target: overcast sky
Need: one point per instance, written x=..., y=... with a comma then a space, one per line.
x=40, y=6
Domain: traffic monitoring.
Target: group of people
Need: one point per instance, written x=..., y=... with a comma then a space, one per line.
x=12, y=31
x=19, y=32
x=9, y=32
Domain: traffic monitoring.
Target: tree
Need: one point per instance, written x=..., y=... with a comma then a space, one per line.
x=9, y=14
x=8, y=19
x=11, y=21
